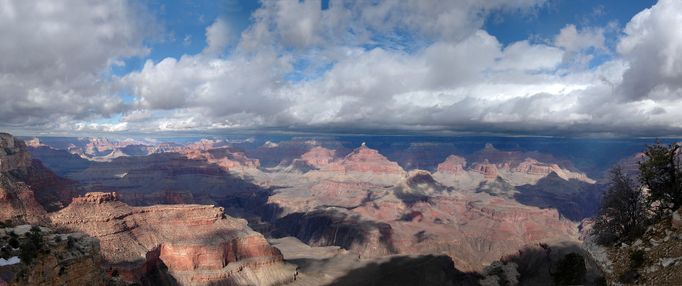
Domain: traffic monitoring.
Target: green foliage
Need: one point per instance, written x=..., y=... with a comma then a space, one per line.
x=32, y=246
x=570, y=270
x=623, y=211
x=660, y=173
x=29, y=251
x=636, y=258
x=57, y=238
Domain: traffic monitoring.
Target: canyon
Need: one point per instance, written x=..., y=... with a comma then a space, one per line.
x=173, y=244
x=202, y=212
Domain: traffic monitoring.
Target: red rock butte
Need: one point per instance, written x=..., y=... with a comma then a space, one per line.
x=319, y=157
x=453, y=164
x=488, y=170
x=365, y=160
x=198, y=243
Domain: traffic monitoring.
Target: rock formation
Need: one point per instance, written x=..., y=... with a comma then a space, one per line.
x=319, y=157
x=418, y=215
x=225, y=157
x=13, y=154
x=17, y=200
x=534, y=168
x=63, y=259
x=453, y=165
x=365, y=160
x=488, y=170
x=198, y=244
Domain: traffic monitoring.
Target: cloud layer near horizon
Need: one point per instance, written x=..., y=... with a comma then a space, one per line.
x=397, y=65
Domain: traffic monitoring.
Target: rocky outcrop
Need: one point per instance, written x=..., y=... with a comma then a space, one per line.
x=676, y=220
x=62, y=258
x=453, y=165
x=488, y=170
x=319, y=157
x=197, y=244
x=523, y=167
x=532, y=167
x=660, y=248
x=18, y=203
x=365, y=160
x=225, y=157
x=13, y=155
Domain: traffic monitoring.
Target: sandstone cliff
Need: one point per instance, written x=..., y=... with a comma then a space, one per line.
x=196, y=243
x=17, y=201
x=13, y=155
x=27, y=188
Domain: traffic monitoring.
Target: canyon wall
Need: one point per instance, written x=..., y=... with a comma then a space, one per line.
x=197, y=244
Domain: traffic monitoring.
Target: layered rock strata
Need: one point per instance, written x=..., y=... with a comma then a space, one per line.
x=198, y=244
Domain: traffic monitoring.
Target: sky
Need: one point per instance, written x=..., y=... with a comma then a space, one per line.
x=521, y=67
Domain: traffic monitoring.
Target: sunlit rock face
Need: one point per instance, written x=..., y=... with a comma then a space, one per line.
x=13, y=154
x=198, y=244
x=319, y=157
x=453, y=165
x=365, y=160
x=533, y=167
x=415, y=214
x=224, y=157
x=488, y=170
x=18, y=202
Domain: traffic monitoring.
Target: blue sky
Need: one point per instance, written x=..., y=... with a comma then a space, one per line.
x=183, y=26
x=537, y=67
x=184, y=22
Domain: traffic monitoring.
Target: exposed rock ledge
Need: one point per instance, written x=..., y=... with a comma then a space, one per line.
x=13, y=153
x=198, y=244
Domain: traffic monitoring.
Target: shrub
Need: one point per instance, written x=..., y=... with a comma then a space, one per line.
x=29, y=251
x=660, y=173
x=33, y=245
x=14, y=242
x=623, y=212
x=570, y=270
x=636, y=258
x=6, y=223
